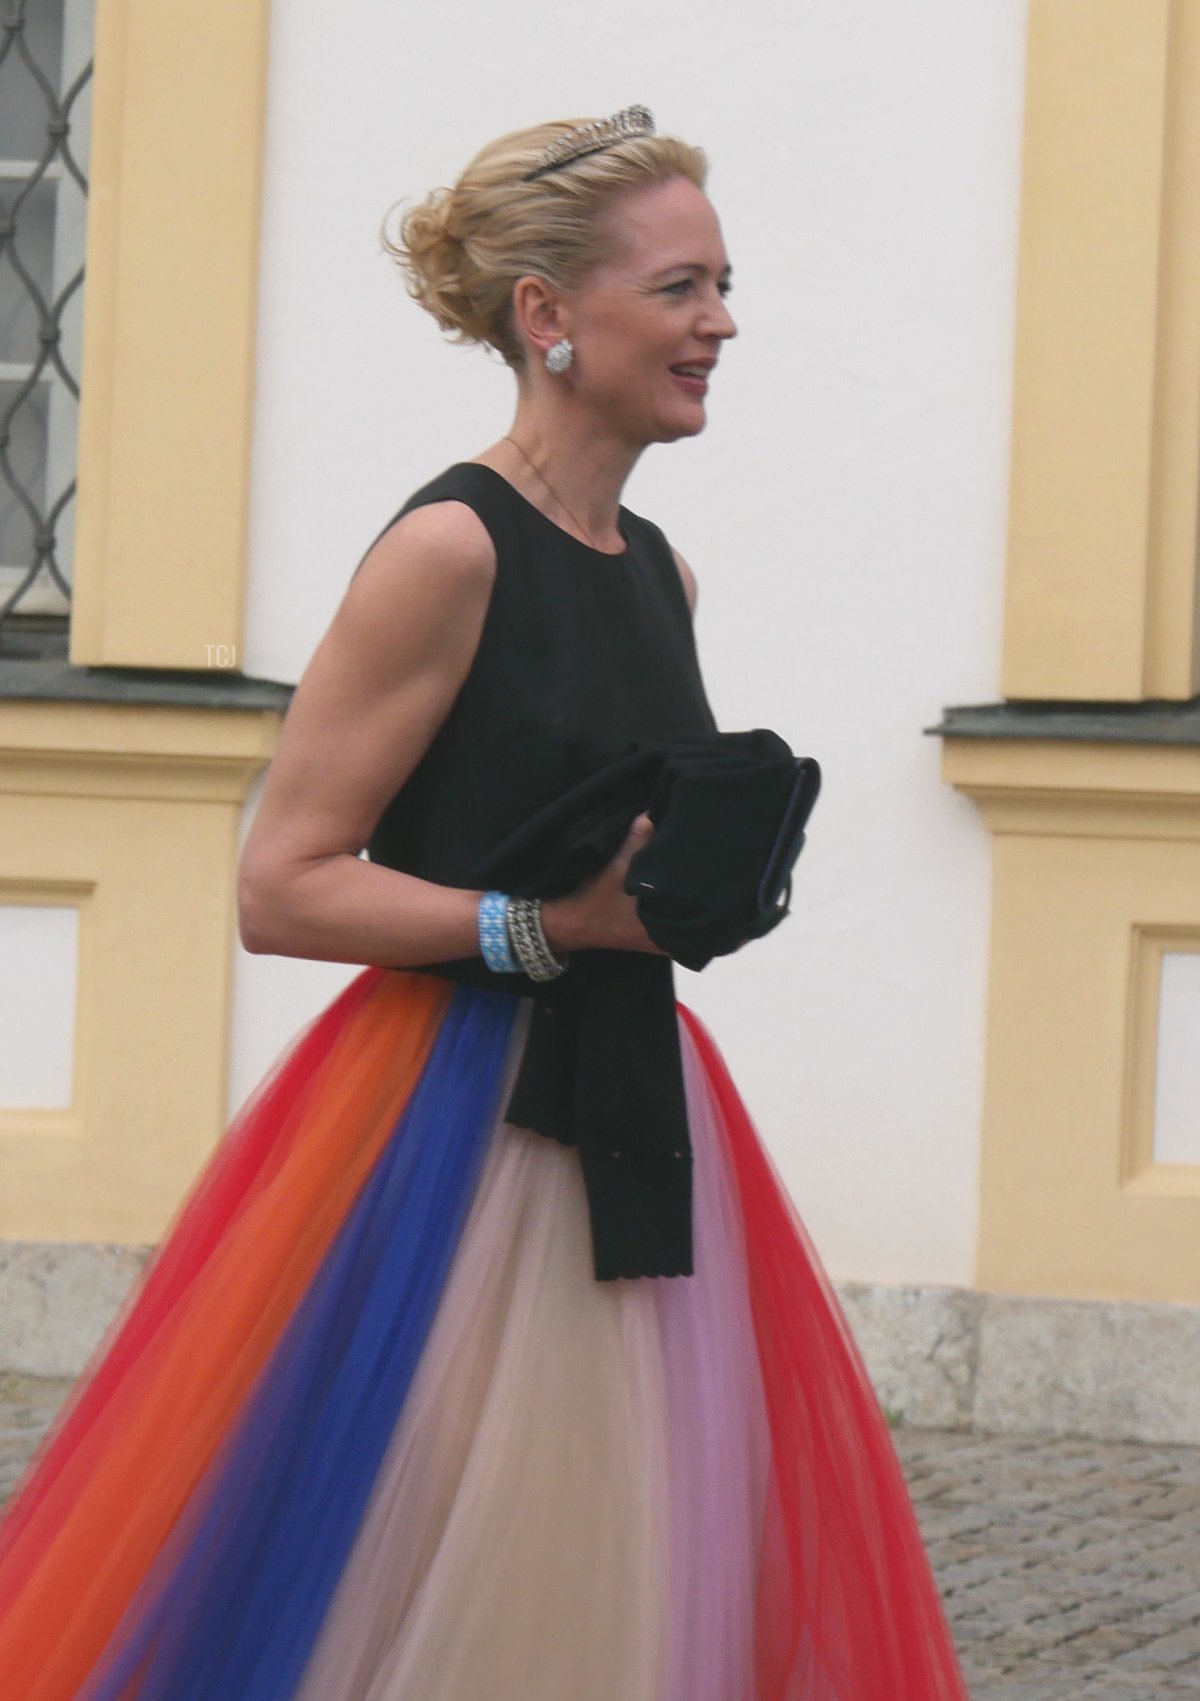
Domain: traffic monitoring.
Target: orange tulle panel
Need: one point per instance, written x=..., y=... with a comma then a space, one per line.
x=117, y=1468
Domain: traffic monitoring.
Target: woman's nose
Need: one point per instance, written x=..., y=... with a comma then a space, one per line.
x=719, y=321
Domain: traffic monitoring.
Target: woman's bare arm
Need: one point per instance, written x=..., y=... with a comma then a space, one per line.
x=378, y=687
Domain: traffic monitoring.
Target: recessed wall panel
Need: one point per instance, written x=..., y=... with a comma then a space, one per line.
x=39, y=952
x=1177, y=1070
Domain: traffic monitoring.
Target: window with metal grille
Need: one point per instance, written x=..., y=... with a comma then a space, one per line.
x=45, y=100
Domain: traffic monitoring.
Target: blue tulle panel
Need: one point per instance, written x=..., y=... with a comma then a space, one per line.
x=236, y=1599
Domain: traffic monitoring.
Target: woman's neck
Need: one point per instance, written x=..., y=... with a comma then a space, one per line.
x=566, y=475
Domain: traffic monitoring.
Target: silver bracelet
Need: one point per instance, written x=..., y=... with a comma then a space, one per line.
x=529, y=940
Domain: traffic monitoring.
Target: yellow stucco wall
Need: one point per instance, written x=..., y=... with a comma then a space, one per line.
x=1096, y=846
x=1101, y=599
x=130, y=814
x=1096, y=870
x=169, y=317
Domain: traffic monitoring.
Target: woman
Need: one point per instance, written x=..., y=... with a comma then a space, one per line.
x=374, y=1427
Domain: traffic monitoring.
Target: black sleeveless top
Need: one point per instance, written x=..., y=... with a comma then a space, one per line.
x=581, y=655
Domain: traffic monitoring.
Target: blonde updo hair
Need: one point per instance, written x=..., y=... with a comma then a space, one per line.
x=462, y=249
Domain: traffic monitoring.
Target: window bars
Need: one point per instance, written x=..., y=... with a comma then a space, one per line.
x=45, y=101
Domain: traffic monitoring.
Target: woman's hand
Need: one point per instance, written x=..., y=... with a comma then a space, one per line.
x=599, y=914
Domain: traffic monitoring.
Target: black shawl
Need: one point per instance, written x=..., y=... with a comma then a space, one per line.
x=601, y=1068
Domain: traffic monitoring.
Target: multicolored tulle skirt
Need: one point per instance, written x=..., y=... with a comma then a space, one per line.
x=368, y=1428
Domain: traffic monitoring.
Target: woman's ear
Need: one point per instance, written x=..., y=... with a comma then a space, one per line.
x=538, y=311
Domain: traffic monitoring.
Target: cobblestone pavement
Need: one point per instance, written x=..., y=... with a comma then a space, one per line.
x=1070, y=1569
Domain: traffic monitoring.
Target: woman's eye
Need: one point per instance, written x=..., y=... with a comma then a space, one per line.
x=686, y=283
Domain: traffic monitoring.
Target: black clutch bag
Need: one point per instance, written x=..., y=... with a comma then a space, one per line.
x=730, y=818
x=775, y=885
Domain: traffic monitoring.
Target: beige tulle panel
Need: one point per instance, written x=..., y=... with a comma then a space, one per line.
x=523, y=1502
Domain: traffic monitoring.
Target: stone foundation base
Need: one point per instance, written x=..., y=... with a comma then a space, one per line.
x=56, y=1301
x=938, y=1357
x=1014, y=1364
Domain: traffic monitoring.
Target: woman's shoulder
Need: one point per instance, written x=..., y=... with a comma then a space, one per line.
x=468, y=484
x=443, y=521
x=431, y=572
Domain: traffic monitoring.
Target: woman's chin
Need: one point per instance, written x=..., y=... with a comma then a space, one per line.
x=690, y=427
x=668, y=425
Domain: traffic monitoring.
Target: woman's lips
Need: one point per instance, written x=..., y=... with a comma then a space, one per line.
x=698, y=386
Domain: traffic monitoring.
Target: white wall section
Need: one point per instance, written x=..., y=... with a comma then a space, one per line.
x=844, y=510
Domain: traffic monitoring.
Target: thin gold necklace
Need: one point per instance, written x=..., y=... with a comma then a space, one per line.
x=507, y=439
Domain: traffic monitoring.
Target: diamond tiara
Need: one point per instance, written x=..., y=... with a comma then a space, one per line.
x=590, y=138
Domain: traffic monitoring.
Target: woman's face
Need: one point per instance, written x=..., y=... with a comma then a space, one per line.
x=657, y=303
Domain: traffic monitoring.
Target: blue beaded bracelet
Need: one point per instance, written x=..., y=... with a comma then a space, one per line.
x=493, y=933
